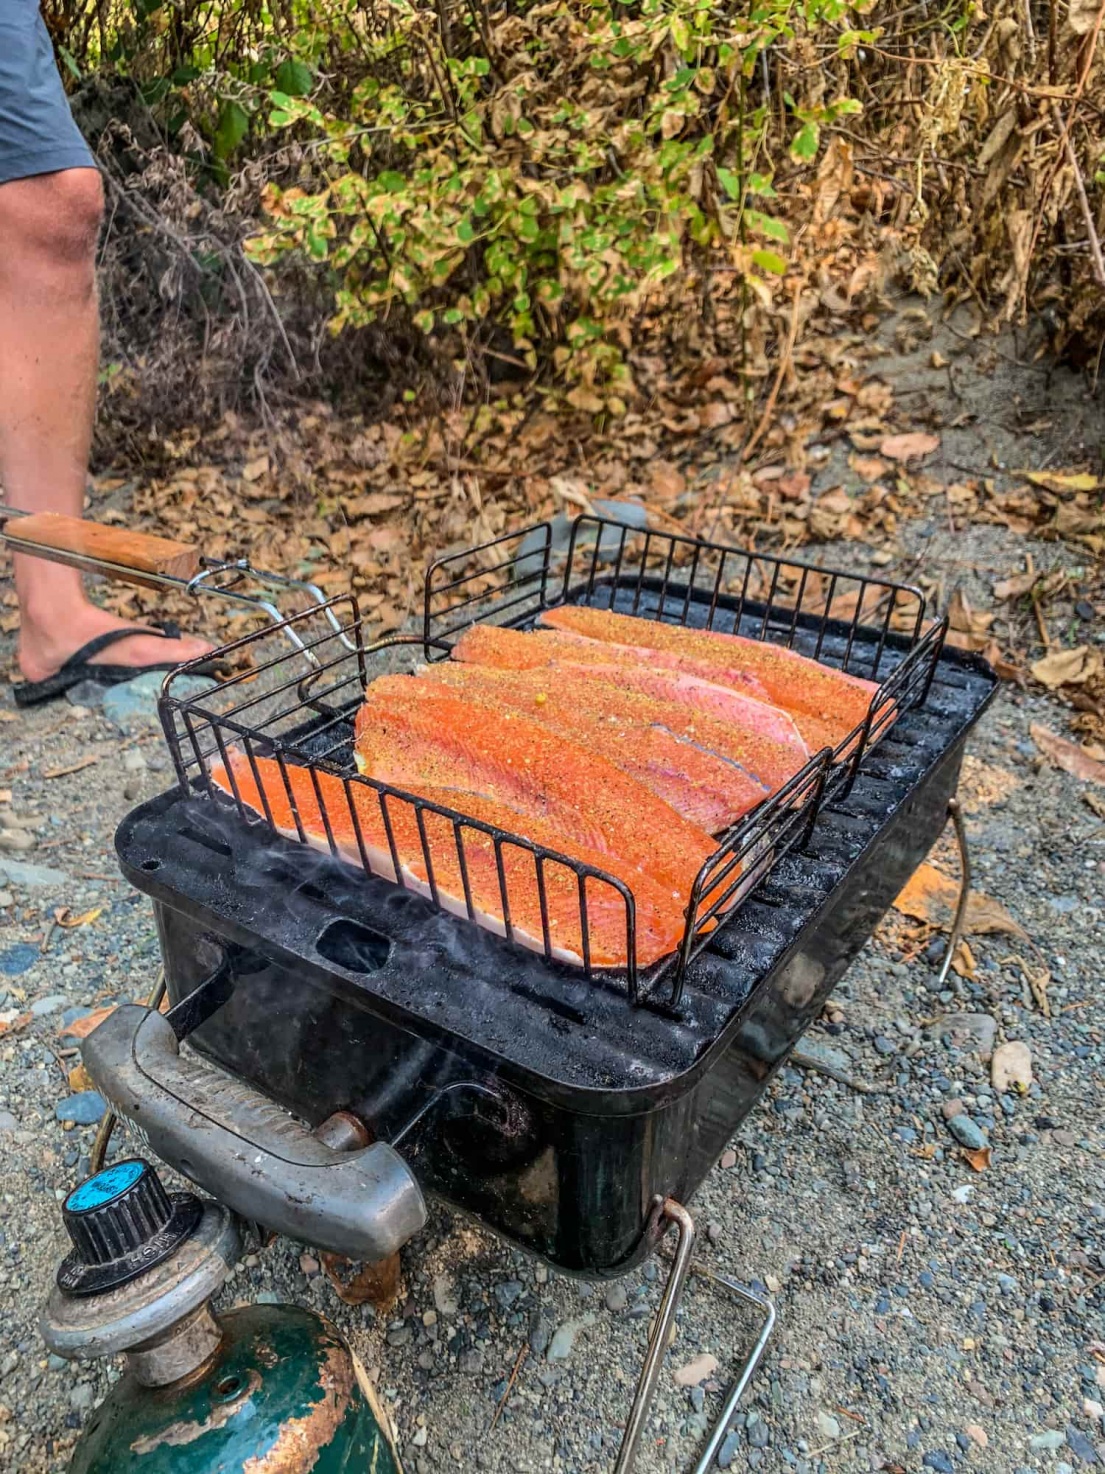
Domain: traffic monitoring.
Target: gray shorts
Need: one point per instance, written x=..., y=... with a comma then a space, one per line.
x=37, y=131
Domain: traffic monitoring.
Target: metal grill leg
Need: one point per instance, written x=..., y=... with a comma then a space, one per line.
x=955, y=813
x=673, y=1212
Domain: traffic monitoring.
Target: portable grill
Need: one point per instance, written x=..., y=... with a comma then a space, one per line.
x=573, y=1109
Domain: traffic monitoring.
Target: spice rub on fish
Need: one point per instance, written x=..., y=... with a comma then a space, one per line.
x=412, y=734
x=709, y=771
x=352, y=824
x=634, y=670
x=826, y=704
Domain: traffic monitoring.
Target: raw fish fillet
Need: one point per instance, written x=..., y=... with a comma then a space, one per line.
x=708, y=771
x=508, y=649
x=411, y=734
x=493, y=644
x=826, y=704
x=659, y=921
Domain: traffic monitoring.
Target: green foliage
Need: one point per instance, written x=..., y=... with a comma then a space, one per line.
x=543, y=170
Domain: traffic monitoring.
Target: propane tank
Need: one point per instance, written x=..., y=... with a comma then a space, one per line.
x=269, y=1387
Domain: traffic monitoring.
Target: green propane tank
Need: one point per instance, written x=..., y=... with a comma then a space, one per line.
x=269, y=1388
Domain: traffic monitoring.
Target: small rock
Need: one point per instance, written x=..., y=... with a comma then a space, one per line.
x=16, y=841
x=445, y=1295
x=976, y=1434
x=1081, y=1446
x=309, y=1264
x=759, y=1434
x=975, y=1032
x=827, y=1426
x=132, y=706
x=17, y=959
x=53, y=1003
x=134, y=760
x=84, y=1109
x=399, y=1336
x=962, y=1194
x=563, y=1339
x=508, y=1292
x=429, y=1318
x=540, y=1334
x=1050, y=1440
x=86, y=693
x=728, y=1159
x=966, y=1133
x=952, y=1108
x=938, y=1460
x=714, y=1232
x=728, y=1450
x=695, y=1371
x=825, y=1054
x=419, y=1439
x=7, y=1123
x=6, y=900
x=616, y=1297
x=1093, y=1410
x=82, y=1397
x=18, y=872
x=1011, y=1065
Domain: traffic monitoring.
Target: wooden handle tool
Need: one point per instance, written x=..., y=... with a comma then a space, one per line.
x=116, y=552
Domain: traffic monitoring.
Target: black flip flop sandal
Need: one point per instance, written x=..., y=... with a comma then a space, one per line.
x=79, y=667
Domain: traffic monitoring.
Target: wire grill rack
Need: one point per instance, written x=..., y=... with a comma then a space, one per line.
x=294, y=709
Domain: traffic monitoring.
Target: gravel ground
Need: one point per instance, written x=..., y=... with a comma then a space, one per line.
x=930, y=1317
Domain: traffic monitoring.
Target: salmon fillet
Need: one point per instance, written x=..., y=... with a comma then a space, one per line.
x=708, y=771
x=633, y=669
x=413, y=734
x=826, y=704
x=659, y=920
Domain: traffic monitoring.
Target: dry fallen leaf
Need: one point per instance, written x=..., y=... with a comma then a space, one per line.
x=1095, y=803
x=978, y=1160
x=80, y=1079
x=11, y=1020
x=911, y=447
x=253, y=470
x=1060, y=481
x=931, y=897
x=357, y=1284
x=80, y=1028
x=1068, y=667
x=64, y=917
x=1067, y=755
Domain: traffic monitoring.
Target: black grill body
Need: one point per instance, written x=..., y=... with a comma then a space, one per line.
x=538, y=1099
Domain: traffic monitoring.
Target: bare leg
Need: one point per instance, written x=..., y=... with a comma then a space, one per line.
x=49, y=331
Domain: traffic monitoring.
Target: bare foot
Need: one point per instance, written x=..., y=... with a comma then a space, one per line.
x=46, y=643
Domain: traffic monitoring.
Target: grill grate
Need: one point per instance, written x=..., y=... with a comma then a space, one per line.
x=298, y=710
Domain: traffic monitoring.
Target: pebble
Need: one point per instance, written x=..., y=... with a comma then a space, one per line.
x=507, y=1292
x=52, y=1003
x=84, y=1109
x=444, y=1295
x=132, y=706
x=695, y=1371
x=82, y=1397
x=563, y=1339
x=6, y=899
x=1011, y=1066
x=1050, y=1440
x=419, y=1439
x=616, y=1297
x=974, y=1032
x=728, y=1450
x=309, y=1264
x=758, y=1433
x=728, y=1160
x=16, y=841
x=966, y=1133
x=938, y=1460
x=1093, y=1409
x=7, y=1122
x=827, y=1426
x=17, y=959
x=976, y=1434
x=18, y=872
x=1081, y=1446
x=134, y=760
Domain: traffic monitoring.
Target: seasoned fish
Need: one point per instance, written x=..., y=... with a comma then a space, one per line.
x=633, y=670
x=826, y=704
x=659, y=920
x=709, y=771
x=412, y=734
